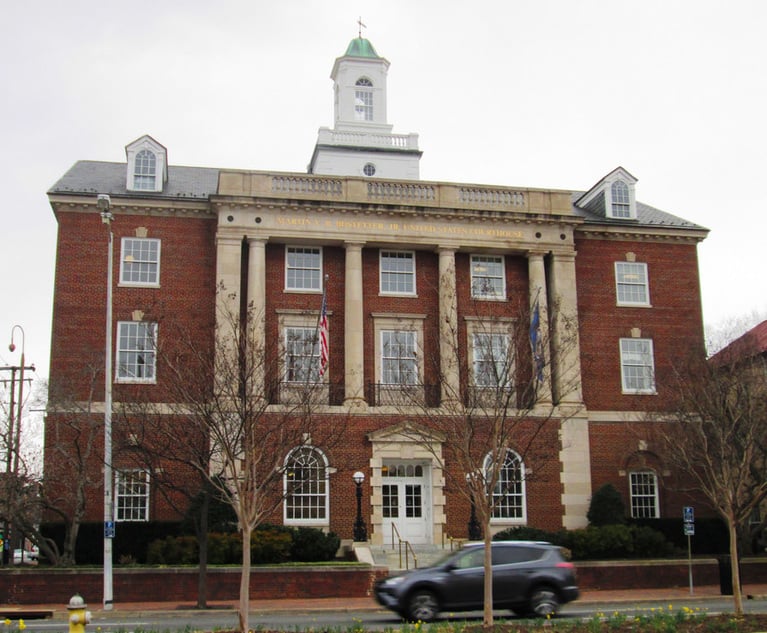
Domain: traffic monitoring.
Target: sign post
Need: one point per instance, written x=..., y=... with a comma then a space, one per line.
x=688, y=515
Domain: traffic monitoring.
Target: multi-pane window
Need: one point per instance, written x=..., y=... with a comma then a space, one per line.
x=621, y=202
x=145, y=170
x=631, y=283
x=303, y=268
x=302, y=355
x=136, y=351
x=491, y=356
x=363, y=100
x=399, y=365
x=509, y=492
x=488, y=277
x=306, y=485
x=132, y=495
x=644, y=495
x=398, y=272
x=140, y=261
x=637, y=365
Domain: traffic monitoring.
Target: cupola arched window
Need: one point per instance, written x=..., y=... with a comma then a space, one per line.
x=363, y=99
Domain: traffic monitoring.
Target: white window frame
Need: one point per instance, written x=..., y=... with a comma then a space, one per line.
x=146, y=332
x=632, y=286
x=390, y=276
x=399, y=338
x=136, y=261
x=643, y=493
x=308, y=277
x=318, y=495
x=620, y=200
x=145, y=171
x=307, y=364
x=131, y=495
x=488, y=286
x=637, y=366
x=363, y=100
x=497, y=343
x=505, y=512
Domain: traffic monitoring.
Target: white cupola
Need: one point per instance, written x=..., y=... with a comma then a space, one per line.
x=361, y=142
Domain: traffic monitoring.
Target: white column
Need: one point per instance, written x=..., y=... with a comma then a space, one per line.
x=565, y=344
x=539, y=296
x=256, y=298
x=448, y=328
x=354, y=375
x=228, y=263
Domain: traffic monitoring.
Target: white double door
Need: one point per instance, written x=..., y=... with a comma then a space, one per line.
x=406, y=501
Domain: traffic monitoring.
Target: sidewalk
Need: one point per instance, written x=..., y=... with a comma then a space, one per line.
x=676, y=596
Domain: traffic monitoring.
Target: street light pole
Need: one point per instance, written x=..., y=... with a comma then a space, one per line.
x=14, y=435
x=104, y=203
x=360, y=531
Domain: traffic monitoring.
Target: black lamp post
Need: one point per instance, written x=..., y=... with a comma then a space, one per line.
x=475, y=530
x=360, y=531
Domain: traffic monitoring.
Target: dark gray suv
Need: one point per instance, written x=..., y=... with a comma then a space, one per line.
x=530, y=578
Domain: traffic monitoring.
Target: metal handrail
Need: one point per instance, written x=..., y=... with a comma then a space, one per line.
x=455, y=542
x=407, y=545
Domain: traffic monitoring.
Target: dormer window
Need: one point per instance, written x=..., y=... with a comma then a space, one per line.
x=621, y=202
x=147, y=165
x=612, y=197
x=145, y=174
x=363, y=99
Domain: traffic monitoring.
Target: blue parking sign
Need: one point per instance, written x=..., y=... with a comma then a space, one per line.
x=688, y=514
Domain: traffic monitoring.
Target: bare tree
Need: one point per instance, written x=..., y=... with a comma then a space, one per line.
x=74, y=444
x=496, y=422
x=227, y=424
x=717, y=435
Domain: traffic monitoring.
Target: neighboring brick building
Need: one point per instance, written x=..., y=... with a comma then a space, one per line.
x=419, y=274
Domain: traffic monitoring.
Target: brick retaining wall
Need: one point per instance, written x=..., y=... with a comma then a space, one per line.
x=141, y=584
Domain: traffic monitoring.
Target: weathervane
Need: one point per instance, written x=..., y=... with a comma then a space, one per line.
x=361, y=25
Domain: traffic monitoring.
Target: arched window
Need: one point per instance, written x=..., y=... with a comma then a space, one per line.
x=306, y=486
x=145, y=170
x=363, y=100
x=621, y=203
x=509, y=502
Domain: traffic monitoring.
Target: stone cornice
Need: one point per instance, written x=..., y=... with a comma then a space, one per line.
x=643, y=232
x=138, y=206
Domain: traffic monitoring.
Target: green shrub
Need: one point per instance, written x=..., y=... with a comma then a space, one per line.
x=311, y=544
x=608, y=541
x=270, y=544
x=606, y=507
x=173, y=550
x=649, y=543
x=525, y=533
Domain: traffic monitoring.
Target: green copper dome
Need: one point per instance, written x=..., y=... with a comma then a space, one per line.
x=360, y=47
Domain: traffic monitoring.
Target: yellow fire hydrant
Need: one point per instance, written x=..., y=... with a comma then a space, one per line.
x=78, y=615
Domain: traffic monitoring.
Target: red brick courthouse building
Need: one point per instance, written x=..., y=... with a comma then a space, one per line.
x=419, y=275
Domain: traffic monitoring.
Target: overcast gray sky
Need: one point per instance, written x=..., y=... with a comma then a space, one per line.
x=531, y=93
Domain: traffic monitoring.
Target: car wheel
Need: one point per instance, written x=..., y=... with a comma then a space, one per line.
x=423, y=605
x=544, y=601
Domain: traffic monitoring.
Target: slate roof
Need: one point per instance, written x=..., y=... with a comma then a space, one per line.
x=88, y=177
x=646, y=216
x=93, y=177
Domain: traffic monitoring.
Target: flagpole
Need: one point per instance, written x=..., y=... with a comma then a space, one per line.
x=322, y=316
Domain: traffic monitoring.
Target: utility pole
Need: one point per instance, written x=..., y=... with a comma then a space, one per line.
x=13, y=441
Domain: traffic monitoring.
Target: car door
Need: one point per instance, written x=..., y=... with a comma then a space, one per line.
x=464, y=581
x=511, y=573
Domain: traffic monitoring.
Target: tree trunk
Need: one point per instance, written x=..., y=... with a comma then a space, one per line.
x=737, y=595
x=202, y=544
x=487, y=619
x=245, y=580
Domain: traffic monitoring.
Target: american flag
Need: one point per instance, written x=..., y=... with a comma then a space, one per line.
x=323, y=335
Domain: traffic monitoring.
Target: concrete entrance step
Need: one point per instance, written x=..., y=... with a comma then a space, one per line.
x=425, y=556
